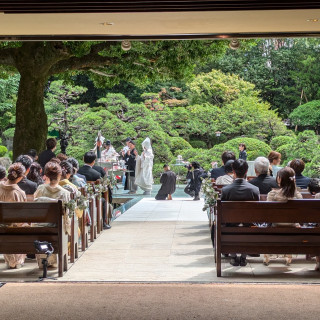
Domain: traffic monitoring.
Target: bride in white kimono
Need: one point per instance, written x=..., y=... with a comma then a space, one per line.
x=144, y=165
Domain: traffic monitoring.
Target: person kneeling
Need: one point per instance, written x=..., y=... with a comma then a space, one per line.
x=168, y=184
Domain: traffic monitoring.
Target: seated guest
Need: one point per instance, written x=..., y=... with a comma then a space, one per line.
x=239, y=190
x=62, y=157
x=10, y=191
x=298, y=166
x=314, y=187
x=263, y=181
x=46, y=155
x=87, y=170
x=77, y=179
x=168, y=184
x=287, y=191
x=28, y=186
x=243, y=151
x=228, y=177
x=100, y=170
x=67, y=171
x=35, y=173
x=33, y=154
x=3, y=173
x=217, y=172
x=274, y=160
x=53, y=172
x=93, y=175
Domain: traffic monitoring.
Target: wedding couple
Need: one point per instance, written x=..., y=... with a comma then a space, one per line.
x=139, y=167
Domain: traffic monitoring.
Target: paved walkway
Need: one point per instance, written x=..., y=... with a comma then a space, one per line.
x=170, y=241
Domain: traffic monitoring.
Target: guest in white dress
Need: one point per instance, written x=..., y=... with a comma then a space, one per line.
x=228, y=177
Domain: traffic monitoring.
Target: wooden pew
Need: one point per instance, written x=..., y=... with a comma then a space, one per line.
x=99, y=211
x=93, y=215
x=253, y=240
x=14, y=240
x=74, y=238
x=83, y=226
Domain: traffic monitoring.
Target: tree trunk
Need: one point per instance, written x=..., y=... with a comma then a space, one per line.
x=31, y=120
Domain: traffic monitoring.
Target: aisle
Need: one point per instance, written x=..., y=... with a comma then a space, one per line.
x=152, y=241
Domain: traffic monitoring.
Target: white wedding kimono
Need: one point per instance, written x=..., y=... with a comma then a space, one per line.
x=144, y=165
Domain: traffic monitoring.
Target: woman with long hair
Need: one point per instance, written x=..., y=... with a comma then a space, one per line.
x=35, y=173
x=287, y=191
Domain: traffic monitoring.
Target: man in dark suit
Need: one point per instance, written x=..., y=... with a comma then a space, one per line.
x=93, y=175
x=46, y=155
x=87, y=169
x=218, y=172
x=263, y=181
x=100, y=170
x=28, y=186
x=239, y=190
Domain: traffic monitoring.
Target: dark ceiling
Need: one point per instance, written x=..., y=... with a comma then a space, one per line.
x=83, y=6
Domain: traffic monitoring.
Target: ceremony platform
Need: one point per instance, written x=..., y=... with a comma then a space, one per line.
x=163, y=241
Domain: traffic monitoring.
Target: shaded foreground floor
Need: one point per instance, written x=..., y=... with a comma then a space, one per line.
x=158, y=301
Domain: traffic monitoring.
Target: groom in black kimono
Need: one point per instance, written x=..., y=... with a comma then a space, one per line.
x=168, y=184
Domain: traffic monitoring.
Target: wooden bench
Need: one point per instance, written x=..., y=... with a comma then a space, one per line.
x=15, y=240
x=254, y=240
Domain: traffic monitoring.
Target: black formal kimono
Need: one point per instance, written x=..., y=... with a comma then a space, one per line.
x=168, y=185
x=131, y=165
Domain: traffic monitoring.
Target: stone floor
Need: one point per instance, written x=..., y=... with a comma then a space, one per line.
x=164, y=241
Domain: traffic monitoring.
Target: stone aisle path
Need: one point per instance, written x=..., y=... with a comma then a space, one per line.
x=157, y=241
x=152, y=241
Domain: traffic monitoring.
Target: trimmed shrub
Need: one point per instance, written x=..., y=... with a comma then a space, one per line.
x=198, y=144
x=3, y=151
x=178, y=143
x=279, y=141
x=255, y=148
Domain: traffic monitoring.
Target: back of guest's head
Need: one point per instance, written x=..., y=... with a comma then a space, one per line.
x=25, y=160
x=32, y=153
x=62, y=156
x=66, y=168
x=314, y=186
x=51, y=143
x=285, y=177
x=274, y=155
x=242, y=145
x=15, y=171
x=228, y=155
x=35, y=173
x=56, y=160
x=261, y=165
x=3, y=172
x=297, y=165
x=89, y=157
x=52, y=170
x=165, y=166
x=195, y=164
x=228, y=166
x=74, y=162
x=240, y=167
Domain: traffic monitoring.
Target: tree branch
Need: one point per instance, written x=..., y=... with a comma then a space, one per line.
x=86, y=62
x=7, y=56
